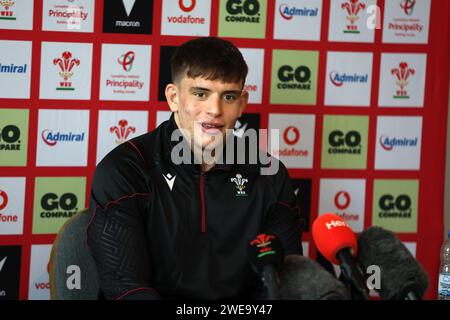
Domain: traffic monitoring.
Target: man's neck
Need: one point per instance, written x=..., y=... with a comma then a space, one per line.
x=206, y=167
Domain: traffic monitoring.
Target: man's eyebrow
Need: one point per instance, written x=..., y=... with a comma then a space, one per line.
x=199, y=89
x=209, y=90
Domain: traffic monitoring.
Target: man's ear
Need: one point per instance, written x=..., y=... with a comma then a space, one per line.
x=244, y=101
x=172, y=96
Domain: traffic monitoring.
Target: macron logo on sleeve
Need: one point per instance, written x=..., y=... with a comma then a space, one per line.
x=170, y=179
x=2, y=263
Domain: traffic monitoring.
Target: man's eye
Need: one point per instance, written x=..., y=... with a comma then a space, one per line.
x=199, y=94
x=230, y=97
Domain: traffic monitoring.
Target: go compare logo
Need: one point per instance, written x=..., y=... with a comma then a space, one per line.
x=294, y=77
x=13, y=137
x=243, y=18
x=344, y=144
x=55, y=201
x=395, y=205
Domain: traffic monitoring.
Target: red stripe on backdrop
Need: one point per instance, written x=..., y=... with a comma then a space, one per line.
x=431, y=177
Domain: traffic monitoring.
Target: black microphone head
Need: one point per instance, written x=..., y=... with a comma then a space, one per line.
x=304, y=279
x=265, y=249
x=400, y=272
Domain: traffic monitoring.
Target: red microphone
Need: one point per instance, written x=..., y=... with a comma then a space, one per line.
x=331, y=234
x=336, y=241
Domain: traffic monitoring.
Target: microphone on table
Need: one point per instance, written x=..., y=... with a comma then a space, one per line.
x=266, y=255
x=402, y=276
x=304, y=279
x=336, y=241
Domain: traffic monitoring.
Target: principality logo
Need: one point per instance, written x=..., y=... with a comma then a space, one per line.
x=353, y=7
x=66, y=64
x=126, y=60
x=122, y=131
x=408, y=6
x=240, y=185
x=402, y=74
x=6, y=13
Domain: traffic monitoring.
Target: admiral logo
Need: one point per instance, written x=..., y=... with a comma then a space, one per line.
x=388, y=144
x=344, y=143
x=294, y=79
x=402, y=74
x=288, y=13
x=243, y=11
x=122, y=131
x=338, y=79
x=352, y=8
x=51, y=139
x=66, y=65
x=6, y=13
x=395, y=207
x=188, y=19
x=54, y=206
x=10, y=138
x=128, y=16
x=12, y=68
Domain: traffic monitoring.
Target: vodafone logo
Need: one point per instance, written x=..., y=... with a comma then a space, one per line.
x=3, y=199
x=342, y=200
x=187, y=8
x=291, y=135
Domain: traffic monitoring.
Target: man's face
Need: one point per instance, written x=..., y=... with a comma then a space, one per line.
x=206, y=108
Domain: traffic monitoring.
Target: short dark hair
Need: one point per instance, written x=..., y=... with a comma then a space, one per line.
x=211, y=58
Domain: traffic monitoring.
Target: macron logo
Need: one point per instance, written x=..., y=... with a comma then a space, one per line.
x=335, y=224
x=170, y=179
x=2, y=263
x=128, y=4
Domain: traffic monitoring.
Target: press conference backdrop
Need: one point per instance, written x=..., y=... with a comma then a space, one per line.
x=362, y=110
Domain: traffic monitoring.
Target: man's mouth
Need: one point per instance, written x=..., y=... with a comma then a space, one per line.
x=211, y=127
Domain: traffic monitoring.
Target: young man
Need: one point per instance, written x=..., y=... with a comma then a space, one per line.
x=165, y=229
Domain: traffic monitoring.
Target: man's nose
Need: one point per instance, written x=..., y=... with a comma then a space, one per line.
x=214, y=107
